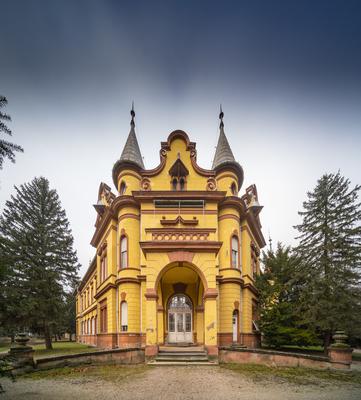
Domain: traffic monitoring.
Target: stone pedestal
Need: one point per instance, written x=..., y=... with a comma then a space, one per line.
x=340, y=352
x=22, y=354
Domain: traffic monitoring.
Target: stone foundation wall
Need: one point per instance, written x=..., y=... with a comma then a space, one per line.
x=106, y=340
x=251, y=340
x=274, y=358
x=117, y=356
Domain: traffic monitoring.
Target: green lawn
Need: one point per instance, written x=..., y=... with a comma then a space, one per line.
x=59, y=348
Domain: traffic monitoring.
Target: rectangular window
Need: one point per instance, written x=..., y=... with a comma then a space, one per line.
x=171, y=322
x=103, y=268
x=124, y=316
x=123, y=252
x=179, y=203
x=254, y=261
x=103, y=318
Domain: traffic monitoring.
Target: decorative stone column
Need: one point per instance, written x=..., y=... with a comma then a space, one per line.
x=22, y=354
x=340, y=352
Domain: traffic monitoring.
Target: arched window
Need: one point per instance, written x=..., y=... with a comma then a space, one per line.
x=123, y=252
x=123, y=316
x=181, y=184
x=174, y=184
x=88, y=328
x=122, y=188
x=235, y=254
x=234, y=189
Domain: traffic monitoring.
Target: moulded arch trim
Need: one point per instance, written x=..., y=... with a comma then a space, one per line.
x=174, y=264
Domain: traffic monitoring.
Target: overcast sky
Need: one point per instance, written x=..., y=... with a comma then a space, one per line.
x=288, y=74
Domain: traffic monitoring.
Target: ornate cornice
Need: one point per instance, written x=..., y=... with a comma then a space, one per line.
x=186, y=194
x=107, y=287
x=173, y=245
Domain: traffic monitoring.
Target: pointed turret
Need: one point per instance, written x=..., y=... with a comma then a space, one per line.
x=131, y=155
x=223, y=151
x=223, y=157
x=131, y=151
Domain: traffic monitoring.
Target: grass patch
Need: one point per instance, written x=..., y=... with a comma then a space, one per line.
x=298, y=376
x=94, y=372
x=59, y=349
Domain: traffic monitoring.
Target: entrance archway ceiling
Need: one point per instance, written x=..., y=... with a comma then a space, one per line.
x=180, y=274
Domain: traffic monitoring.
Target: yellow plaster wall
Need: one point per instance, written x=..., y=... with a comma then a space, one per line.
x=131, y=180
x=132, y=291
x=228, y=294
x=163, y=180
x=225, y=180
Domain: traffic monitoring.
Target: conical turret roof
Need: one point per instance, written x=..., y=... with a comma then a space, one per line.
x=223, y=157
x=131, y=151
x=223, y=152
x=131, y=154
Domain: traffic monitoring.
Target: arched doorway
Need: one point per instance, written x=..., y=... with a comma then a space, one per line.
x=180, y=322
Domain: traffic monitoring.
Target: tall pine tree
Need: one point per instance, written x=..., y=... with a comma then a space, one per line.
x=279, y=294
x=330, y=250
x=7, y=149
x=37, y=244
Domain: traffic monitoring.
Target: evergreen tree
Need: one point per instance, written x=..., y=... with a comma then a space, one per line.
x=37, y=243
x=279, y=293
x=7, y=149
x=330, y=250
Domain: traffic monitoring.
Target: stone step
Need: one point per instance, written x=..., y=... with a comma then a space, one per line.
x=184, y=353
x=185, y=359
x=182, y=363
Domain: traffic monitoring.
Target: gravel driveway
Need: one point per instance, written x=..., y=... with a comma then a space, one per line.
x=199, y=383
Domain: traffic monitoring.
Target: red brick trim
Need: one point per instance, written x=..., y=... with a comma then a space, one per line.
x=229, y=216
x=151, y=294
x=151, y=350
x=210, y=294
x=129, y=215
x=180, y=256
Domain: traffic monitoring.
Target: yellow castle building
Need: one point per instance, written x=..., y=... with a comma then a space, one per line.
x=177, y=252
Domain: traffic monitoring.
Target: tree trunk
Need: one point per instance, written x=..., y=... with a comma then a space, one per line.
x=326, y=342
x=47, y=336
x=70, y=337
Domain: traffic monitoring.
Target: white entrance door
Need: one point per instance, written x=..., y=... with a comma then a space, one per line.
x=180, y=320
x=235, y=327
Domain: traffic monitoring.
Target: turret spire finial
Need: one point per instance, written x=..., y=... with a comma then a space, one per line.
x=132, y=113
x=221, y=115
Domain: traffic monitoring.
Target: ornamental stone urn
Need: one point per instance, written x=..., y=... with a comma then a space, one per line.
x=22, y=354
x=340, y=352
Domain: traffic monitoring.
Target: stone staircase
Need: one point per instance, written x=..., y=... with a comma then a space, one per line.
x=182, y=356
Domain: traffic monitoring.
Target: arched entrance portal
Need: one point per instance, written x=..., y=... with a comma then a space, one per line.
x=180, y=319
x=180, y=304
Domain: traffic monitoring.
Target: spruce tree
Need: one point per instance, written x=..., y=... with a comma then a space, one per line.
x=37, y=243
x=330, y=250
x=7, y=149
x=279, y=322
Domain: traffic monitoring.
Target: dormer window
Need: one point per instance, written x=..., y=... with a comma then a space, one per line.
x=178, y=172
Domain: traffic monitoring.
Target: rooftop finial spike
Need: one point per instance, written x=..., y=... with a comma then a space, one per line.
x=132, y=113
x=221, y=115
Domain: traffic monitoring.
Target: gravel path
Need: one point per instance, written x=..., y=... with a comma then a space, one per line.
x=165, y=383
